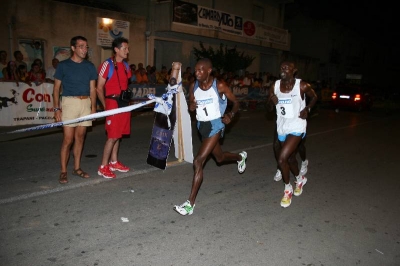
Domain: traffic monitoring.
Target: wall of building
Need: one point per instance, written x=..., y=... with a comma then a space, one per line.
x=55, y=23
x=165, y=32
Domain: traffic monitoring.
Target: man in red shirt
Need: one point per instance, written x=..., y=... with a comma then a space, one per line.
x=108, y=91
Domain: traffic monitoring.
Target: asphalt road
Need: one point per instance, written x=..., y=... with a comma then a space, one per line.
x=348, y=213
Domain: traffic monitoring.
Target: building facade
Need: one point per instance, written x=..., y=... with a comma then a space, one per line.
x=160, y=32
x=54, y=23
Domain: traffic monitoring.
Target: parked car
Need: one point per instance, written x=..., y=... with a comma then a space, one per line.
x=352, y=96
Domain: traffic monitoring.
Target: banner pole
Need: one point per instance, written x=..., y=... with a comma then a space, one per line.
x=180, y=134
x=176, y=72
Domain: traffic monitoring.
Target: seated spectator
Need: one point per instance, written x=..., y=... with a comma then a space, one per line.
x=162, y=76
x=23, y=75
x=185, y=79
x=248, y=79
x=265, y=79
x=19, y=58
x=257, y=83
x=10, y=72
x=236, y=81
x=141, y=76
x=139, y=66
x=40, y=63
x=188, y=71
x=3, y=60
x=229, y=77
x=50, y=71
x=36, y=75
x=148, y=68
x=152, y=75
x=133, y=77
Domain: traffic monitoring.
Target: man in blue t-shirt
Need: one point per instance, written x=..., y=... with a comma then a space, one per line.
x=78, y=79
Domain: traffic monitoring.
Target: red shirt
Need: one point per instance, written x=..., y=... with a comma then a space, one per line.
x=40, y=76
x=112, y=85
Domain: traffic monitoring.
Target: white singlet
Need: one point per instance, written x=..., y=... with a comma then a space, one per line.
x=209, y=105
x=288, y=110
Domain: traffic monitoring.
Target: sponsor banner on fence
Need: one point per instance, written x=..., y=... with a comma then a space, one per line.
x=249, y=97
x=25, y=105
x=242, y=92
x=32, y=105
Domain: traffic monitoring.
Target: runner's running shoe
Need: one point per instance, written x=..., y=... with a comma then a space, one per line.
x=304, y=168
x=287, y=196
x=242, y=163
x=300, y=182
x=185, y=208
x=278, y=175
x=118, y=166
x=105, y=171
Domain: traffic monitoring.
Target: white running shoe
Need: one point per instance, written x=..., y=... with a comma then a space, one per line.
x=287, y=196
x=304, y=168
x=242, y=163
x=185, y=208
x=278, y=175
x=300, y=182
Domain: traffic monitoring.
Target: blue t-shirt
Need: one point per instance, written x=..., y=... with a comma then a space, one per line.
x=75, y=77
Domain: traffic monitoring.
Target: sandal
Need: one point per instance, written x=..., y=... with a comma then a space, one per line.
x=81, y=173
x=63, y=178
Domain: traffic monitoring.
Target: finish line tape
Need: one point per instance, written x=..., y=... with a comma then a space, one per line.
x=84, y=118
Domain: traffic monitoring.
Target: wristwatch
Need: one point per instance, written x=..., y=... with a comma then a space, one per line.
x=56, y=109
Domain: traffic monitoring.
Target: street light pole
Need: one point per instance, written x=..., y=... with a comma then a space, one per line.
x=147, y=33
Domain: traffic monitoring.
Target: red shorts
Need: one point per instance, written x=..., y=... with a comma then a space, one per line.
x=118, y=124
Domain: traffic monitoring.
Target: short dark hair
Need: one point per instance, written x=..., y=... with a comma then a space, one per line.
x=117, y=42
x=34, y=64
x=17, y=52
x=76, y=38
x=205, y=61
x=21, y=66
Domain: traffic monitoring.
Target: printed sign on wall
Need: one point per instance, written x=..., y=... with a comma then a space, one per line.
x=109, y=29
x=204, y=17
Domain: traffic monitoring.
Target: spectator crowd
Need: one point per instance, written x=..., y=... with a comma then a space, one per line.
x=18, y=71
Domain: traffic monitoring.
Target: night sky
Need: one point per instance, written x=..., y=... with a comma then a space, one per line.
x=369, y=18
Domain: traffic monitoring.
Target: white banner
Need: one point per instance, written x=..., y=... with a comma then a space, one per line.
x=204, y=17
x=257, y=30
x=218, y=20
x=25, y=105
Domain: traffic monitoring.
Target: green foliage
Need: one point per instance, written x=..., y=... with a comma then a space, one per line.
x=224, y=59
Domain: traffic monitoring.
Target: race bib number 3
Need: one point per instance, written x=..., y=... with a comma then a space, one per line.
x=284, y=108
